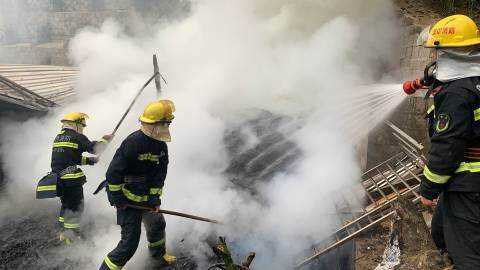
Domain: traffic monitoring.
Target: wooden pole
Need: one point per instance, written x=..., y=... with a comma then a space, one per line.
x=173, y=213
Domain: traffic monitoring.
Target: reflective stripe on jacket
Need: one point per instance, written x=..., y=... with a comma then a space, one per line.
x=137, y=171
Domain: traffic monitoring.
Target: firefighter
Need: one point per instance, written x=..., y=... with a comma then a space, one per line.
x=136, y=176
x=451, y=176
x=66, y=158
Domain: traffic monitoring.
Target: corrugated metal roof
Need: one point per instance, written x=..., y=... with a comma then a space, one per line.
x=38, y=86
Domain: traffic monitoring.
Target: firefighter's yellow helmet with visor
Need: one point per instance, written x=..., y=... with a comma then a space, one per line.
x=160, y=111
x=75, y=117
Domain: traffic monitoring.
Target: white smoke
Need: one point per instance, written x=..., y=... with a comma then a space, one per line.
x=297, y=59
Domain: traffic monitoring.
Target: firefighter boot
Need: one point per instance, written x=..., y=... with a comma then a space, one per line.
x=169, y=259
x=69, y=237
x=161, y=263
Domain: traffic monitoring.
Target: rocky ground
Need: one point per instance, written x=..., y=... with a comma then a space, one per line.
x=32, y=242
x=28, y=241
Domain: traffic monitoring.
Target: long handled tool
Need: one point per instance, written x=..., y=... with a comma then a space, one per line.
x=156, y=75
x=158, y=84
x=173, y=213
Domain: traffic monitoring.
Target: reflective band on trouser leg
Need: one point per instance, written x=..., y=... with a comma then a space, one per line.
x=71, y=225
x=111, y=265
x=72, y=175
x=61, y=219
x=133, y=197
x=476, y=114
x=84, y=160
x=468, y=167
x=71, y=222
x=436, y=178
x=160, y=243
x=115, y=187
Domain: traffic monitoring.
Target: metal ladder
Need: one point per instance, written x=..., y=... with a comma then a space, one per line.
x=382, y=185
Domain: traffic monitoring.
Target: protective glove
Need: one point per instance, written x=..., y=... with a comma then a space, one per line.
x=428, y=202
x=92, y=160
x=108, y=137
x=429, y=190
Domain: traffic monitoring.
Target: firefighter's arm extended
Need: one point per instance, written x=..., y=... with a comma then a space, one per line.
x=88, y=160
x=96, y=147
x=88, y=146
x=116, y=175
x=453, y=125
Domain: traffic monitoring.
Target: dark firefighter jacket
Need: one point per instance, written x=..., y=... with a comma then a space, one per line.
x=137, y=172
x=453, y=162
x=67, y=154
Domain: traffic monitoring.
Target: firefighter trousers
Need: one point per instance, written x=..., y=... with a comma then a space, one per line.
x=456, y=228
x=72, y=208
x=130, y=221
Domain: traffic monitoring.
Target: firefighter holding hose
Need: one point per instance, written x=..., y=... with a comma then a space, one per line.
x=451, y=177
x=135, y=179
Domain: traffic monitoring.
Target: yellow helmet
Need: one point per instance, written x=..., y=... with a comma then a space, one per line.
x=158, y=111
x=76, y=117
x=453, y=31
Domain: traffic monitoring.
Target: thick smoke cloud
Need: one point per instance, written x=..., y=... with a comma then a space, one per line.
x=301, y=59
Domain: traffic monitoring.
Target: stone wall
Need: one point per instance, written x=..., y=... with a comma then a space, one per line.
x=52, y=53
x=38, y=31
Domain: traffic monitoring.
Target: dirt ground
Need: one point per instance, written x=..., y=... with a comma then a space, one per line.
x=370, y=247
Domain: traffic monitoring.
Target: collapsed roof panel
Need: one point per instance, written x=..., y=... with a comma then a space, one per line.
x=37, y=87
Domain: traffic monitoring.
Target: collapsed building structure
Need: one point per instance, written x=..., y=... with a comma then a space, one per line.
x=31, y=90
x=393, y=165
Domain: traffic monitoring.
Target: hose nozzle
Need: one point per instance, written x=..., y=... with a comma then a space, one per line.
x=410, y=87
